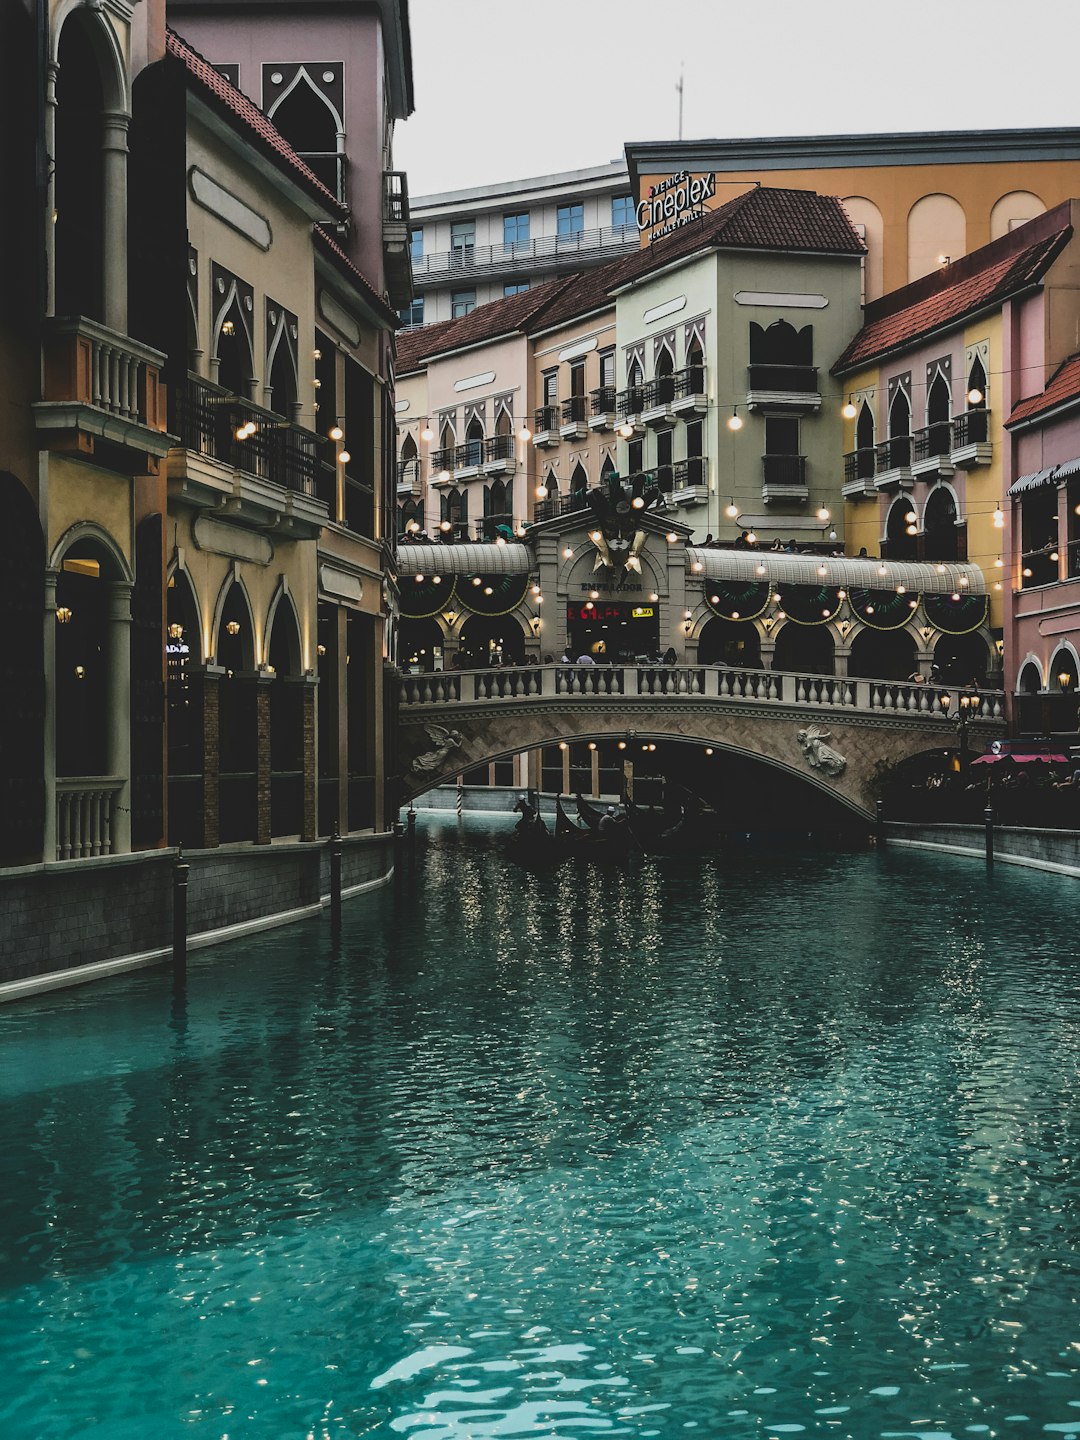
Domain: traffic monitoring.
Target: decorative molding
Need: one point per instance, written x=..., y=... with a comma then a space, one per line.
x=400, y=406
x=344, y=323
x=667, y=307
x=580, y=347
x=229, y=208
x=471, y=382
x=220, y=538
x=781, y=299
x=341, y=584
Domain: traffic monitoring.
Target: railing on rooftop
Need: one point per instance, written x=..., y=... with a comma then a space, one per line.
x=545, y=252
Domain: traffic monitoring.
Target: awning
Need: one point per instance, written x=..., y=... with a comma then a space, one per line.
x=466, y=559
x=1052, y=475
x=919, y=577
x=1021, y=759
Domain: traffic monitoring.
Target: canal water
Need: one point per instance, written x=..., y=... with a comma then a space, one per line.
x=770, y=1143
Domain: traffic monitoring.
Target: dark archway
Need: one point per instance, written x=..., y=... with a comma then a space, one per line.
x=729, y=642
x=804, y=649
x=286, y=723
x=238, y=738
x=22, y=678
x=901, y=539
x=184, y=707
x=940, y=540
x=484, y=637
x=236, y=364
x=148, y=673
x=961, y=659
x=939, y=416
x=882, y=655
x=420, y=644
x=310, y=126
x=283, y=388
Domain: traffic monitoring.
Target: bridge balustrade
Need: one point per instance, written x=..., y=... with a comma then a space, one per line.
x=770, y=687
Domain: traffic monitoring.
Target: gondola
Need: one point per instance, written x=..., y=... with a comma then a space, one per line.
x=611, y=846
x=531, y=844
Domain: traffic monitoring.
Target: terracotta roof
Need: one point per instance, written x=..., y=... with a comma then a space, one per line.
x=1063, y=386
x=985, y=277
x=414, y=346
x=330, y=247
x=224, y=96
x=485, y=322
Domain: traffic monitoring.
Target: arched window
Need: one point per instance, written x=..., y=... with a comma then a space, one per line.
x=236, y=366
x=695, y=366
x=1030, y=680
x=579, y=481
x=781, y=357
x=286, y=723
x=663, y=370
x=455, y=510
x=408, y=449
x=973, y=424
x=939, y=416
x=283, y=380
x=635, y=378
x=607, y=469
x=474, y=441
x=496, y=510
x=410, y=513
x=899, y=429
x=309, y=124
x=899, y=543
x=940, y=539
x=864, y=442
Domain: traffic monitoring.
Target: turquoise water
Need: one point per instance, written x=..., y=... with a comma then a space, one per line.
x=772, y=1144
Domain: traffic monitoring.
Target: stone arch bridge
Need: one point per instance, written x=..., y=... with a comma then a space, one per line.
x=829, y=731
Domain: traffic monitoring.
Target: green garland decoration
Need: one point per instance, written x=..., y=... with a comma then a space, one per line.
x=883, y=601
x=724, y=597
x=422, y=599
x=471, y=597
x=942, y=618
x=824, y=597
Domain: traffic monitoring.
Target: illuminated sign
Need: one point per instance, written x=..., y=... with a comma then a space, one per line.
x=642, y=612
x=602, y=610
x=674, y=202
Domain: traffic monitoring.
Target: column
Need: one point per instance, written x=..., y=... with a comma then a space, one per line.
x=309, y=822
x=262, y=685
x=115, y=247
x=51, y=72
x=118, y=736
x=211, y=755
x=49, y=750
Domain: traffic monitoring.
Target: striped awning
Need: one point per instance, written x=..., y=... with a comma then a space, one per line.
x=1052, y=475
x=920, y=577
x=466, y=559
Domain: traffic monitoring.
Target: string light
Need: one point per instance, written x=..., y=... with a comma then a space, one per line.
x=735, y=420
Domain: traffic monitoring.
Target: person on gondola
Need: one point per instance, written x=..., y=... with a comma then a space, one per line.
x=609, y=822
x=531, y=822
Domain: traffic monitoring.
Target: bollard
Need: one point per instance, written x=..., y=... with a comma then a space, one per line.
x=412, y=831
x=335, y=877
x=988, y=819
x=879, y=822
x=179, y=913
x=460, y=801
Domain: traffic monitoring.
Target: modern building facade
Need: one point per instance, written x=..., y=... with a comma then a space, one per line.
x=920, y=200
x=470, y=247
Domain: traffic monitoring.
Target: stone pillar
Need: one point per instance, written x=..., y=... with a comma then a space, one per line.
x=118, y=735
x=211, y=748
x=768, y=650
x=594, y=772
x=51, y=72
x=309, y=823
x=841, y=657
x=49, y=751
x=115, y=220
x=263, y=830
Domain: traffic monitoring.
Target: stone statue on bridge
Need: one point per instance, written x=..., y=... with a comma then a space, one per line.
x=430, y=762
x=820, y=756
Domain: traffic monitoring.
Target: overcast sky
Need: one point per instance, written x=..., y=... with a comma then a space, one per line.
x=516, y=88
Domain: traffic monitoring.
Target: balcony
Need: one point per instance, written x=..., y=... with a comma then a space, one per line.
x=930, y=451
x=1039, y=567
x=892, y=464
x=499, y=455
x=525, y=257
x=783, y=478
x=790, y=387
x=560, y=505
x=656, y=402
x=690, y=481
x=691, y=397
x=629, y=405
x=573, y=424
x=602, y=408
x=546, y=427
x=859, y=473
x=971, y=444
x=103, y=396
x=397, y=261
x=249, y=464
x=408, y=477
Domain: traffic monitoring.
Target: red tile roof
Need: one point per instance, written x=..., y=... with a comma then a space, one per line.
x=226, y=98
x=987, y=276
x=330, y=247
x=414, y=346
x=1063, y=386
x=761, y=219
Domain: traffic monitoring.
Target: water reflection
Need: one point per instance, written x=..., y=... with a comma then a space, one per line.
x=757, y=1145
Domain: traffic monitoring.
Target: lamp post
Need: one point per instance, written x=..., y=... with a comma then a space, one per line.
x=964, y=713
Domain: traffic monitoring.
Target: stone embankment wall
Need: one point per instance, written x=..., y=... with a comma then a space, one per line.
x=81, y=920
x=1055, y=850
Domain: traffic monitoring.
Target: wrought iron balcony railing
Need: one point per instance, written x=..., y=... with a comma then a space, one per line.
x=859, y=464
x=546, y=417
x=784, y=469
x=691, y=472
x=238, y=433
x=970, y=428
x=893, y=454
x=934, y=440
x=603, y=400
x=791, y=379
x=574, y=410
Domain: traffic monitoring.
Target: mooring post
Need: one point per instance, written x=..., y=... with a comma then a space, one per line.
x=879, y=822
x=335, y=876
x=988, y=818
x=460, y=800
x=411, y=820
x=179, y=913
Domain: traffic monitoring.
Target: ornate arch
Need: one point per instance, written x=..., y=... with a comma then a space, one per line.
x=90, y=530
x=115, y=81
x=232, y=577
x=282, y=593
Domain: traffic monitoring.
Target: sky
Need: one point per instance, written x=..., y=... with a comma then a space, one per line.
x=511, y=89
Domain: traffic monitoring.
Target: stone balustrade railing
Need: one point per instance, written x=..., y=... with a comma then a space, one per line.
x=771, y=687
x=84, y=815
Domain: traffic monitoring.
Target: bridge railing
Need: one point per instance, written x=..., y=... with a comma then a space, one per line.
x=770, y=687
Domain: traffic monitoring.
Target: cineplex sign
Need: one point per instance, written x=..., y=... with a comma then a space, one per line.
x=674, y=202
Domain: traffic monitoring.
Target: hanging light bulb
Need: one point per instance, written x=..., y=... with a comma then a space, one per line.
x=849, y=412
x=524, y=434
x=541, y=492
x=975, y=396
x=336, y=433
x=751, y=538
x=999, y=519
x=731, y=510
x=426, y=433
x=736, y=421
x=344, y=456
x=626, y=430
x=823, y=514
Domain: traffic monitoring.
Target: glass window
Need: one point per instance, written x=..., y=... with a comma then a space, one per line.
x=607, y=368
x=463, y=235
x=416, y=243
x=516, y=229
x=781, y=435
x=462, y=302
x=414, y=315
x=571, y=219
x=622, y=211
x=551, y=386
x=516, y=288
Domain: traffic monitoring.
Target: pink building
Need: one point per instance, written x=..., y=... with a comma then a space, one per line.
x=1042, y=636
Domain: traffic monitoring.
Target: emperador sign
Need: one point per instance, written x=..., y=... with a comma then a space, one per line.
x=674, y=202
